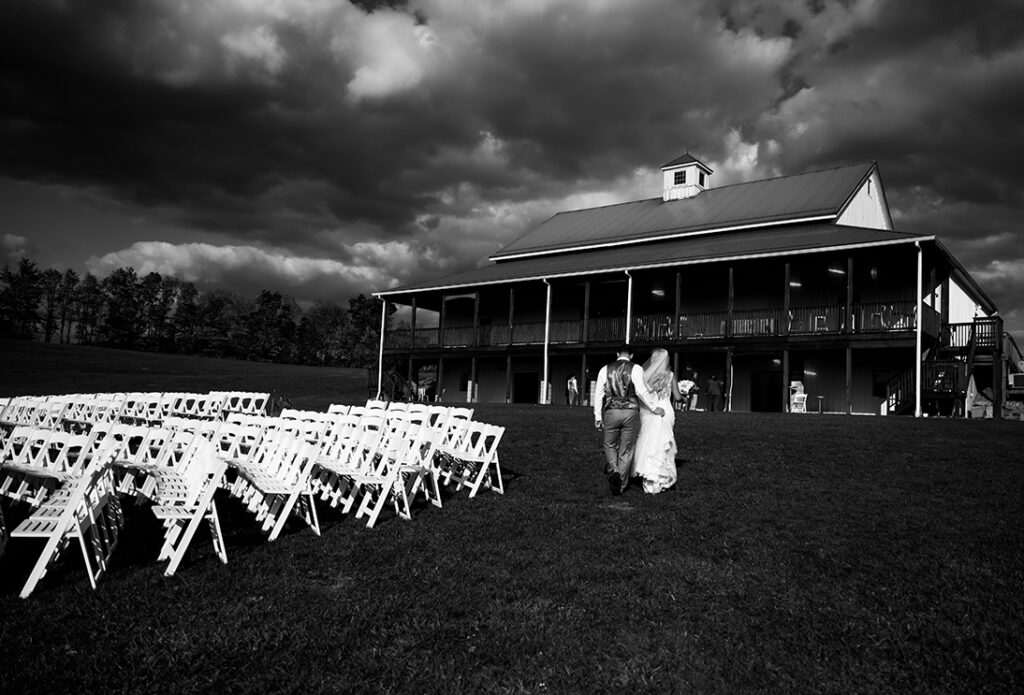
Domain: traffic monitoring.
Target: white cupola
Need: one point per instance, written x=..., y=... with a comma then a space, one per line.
x=684, y=177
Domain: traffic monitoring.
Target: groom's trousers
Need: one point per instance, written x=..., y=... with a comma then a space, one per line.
x=620, y=430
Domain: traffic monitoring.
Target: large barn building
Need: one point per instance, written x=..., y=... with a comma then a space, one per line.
x=772, y=286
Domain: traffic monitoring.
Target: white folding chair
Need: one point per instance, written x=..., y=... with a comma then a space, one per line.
x=404, y=453
x=210, y=406
x=475, y=459
x=23, y=466
x=184, y=497
x=350, y=449
x=275, y=483
x=86, y=510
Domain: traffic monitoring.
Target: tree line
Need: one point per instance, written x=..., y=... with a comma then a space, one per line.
x=163, y=314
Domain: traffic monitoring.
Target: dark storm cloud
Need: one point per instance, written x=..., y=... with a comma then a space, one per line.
x=142, y=100
x=404, y=139
x=175, y=126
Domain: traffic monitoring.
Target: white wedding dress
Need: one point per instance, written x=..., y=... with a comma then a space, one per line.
x=654, y=457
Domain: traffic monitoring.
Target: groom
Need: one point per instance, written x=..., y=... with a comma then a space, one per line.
x=620, y=388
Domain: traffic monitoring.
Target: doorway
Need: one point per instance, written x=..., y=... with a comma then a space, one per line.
x=525, y=387
x=766, y=392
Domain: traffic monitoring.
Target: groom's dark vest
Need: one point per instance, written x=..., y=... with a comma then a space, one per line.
x=619, y=392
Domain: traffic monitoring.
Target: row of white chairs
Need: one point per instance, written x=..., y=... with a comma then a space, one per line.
x=356, y=458
x=78, y=411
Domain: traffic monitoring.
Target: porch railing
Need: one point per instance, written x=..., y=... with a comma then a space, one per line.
x=495, y=335
x=610, y=329
x=883, y=317
x=981, y=330
x=824, y=318
x=755, y=322
x=458, y=337
x=938, y=378
x=528, y=333
x=402, y=338
x=566, y=332
x=652, y=328
x=704, y=324
x=878, y=317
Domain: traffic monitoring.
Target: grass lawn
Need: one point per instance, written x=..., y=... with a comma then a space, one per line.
x=798, y=554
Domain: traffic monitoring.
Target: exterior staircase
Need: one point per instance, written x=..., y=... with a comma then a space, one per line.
x=947, y=368
x=394, y=387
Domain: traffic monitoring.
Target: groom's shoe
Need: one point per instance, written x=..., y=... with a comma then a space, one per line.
x=615, y=483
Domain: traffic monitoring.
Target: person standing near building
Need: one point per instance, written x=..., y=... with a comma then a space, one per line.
x=572, y=391
x=714, y=394
x=617, y=400
x=686, y=384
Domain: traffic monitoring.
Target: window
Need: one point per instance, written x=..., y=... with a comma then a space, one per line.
x=680, y=178
x=463, y=382
x=702, y=178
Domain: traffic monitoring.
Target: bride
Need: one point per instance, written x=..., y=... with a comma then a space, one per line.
x=655, y=452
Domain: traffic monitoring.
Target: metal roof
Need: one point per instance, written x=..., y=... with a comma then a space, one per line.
x=814, y=195
x=769, y=241
x=686, y=159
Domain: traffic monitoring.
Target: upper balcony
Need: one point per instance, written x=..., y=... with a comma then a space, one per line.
x=688, y=328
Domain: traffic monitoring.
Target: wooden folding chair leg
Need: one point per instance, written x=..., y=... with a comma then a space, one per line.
x=54, y=545
x=183, y=541
x=85, y=556
x=307, y=508
x=491, y=472
x=371, y=506
x=280, y=511
x=3, y=533
x=215, y=532
x=284, y=508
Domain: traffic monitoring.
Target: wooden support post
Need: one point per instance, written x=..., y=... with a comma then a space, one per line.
x=785, y=303
x=440, y=322
x=785, y=380
x=849, y=380
x=476, y=319
x=508, y=379
x=438, y=387
x=586, y=312
x=511, y=311
x=471, y=386
x=998, y=378
x=732, y=296
x=727, y=396
x=545, y=390
x=412, y=326
x=945, y=301
x=584, y=382
x=849, y=295
x=918, y=293
x=679, y=310
x=408, y=377
x=629, y=307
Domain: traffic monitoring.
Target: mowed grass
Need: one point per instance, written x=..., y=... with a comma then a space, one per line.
x=798, y=554
x=39, y=369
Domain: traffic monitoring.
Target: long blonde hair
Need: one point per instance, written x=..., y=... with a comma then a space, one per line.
x=657, y=376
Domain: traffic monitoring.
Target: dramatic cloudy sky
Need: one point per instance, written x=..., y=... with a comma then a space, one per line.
x=326, y=147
